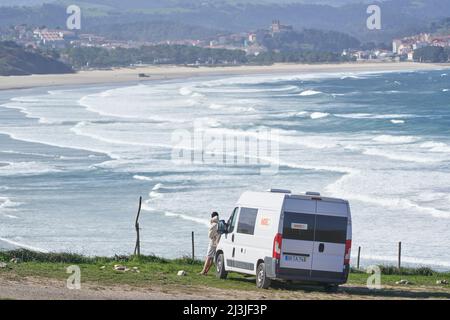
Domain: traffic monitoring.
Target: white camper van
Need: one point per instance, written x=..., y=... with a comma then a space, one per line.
x=280, y=235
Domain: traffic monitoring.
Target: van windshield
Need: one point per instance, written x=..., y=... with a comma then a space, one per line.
x=232, y=221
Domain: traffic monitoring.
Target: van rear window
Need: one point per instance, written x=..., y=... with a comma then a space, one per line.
x=314, y=227
x=298, y=226
x=331, y=229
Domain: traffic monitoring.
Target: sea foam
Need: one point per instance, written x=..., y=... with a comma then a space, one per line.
x=308, y=93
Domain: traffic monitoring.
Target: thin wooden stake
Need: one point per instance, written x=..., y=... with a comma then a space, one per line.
x=193, y=247
x=137, y=248
x=359, y=256
x=399, y=256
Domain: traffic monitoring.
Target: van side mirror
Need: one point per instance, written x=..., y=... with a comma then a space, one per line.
x=222, y=227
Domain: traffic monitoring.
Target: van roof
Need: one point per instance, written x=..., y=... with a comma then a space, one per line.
x=308, y=195
x=274, y=198
x=314, y=197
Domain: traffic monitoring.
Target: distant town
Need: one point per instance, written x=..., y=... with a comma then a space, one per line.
x=43, y=37
x=252, y=44
x=402, y=49
x=405, y=47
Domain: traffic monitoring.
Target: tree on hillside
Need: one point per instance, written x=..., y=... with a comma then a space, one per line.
x=431, y=54
x=310, y=39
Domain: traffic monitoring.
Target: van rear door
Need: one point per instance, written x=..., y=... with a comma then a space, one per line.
x=298, y=242
x=330, y=237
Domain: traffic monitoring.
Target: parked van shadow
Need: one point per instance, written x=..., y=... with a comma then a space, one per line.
x=390, y=292
x=395, y=293
x=364, y=291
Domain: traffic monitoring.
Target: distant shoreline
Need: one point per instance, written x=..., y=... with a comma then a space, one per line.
x=123, y=75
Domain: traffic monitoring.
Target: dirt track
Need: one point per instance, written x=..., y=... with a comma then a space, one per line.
x=45, y=289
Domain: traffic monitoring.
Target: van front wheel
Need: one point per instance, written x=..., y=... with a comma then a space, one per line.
x=262, y=281
x=220, y=267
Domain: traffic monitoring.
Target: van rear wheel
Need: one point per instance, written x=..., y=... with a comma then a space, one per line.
x=220, y=267
x=262, y=281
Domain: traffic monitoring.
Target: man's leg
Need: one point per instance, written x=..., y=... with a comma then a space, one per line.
x=208, y=265
x=211, y=255
x=205, y=266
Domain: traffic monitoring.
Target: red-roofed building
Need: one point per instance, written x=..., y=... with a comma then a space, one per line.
x=51, y=38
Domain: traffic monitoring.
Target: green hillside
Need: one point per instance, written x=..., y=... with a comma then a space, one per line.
x=399, y=17
x=15, y=60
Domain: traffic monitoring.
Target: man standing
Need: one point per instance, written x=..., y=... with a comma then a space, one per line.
x=214, y=237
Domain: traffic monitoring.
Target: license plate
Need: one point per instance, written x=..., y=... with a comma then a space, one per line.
x=294, y=258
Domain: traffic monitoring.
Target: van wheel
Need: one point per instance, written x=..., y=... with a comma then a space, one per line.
x=220, y=267
x=262, y=281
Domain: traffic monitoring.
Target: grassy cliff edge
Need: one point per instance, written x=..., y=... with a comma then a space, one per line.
x=159, y=272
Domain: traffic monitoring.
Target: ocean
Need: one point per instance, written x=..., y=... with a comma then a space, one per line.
x=74, y=160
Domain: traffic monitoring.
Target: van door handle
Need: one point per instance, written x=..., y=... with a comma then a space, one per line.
x=321, y=247
x=232, y=237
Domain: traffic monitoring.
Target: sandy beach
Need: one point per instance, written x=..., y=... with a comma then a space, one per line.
x=176, y=72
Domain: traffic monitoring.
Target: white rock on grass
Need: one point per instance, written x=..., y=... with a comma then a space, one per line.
x=136, y=269
x=441, y=282
x=404, y=282
x=181, y=273
x=118, y=267
x=3, y=265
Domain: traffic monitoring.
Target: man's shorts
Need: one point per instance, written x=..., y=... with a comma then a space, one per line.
x=211, y=251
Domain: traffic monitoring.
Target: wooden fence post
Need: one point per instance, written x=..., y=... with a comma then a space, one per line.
x=137, y=248
x=359, y=256
x=399, y=256
x=193, y=247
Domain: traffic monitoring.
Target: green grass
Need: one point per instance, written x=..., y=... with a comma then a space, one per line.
x=151, y=273
x=156, y=271
x=153, y=270
x=421, y=276
x=414, y=280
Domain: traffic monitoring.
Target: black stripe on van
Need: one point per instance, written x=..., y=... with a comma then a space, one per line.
x=311, y=276
x=244, y=265
x=240, y=264
x=327, y=274
x=296, y=254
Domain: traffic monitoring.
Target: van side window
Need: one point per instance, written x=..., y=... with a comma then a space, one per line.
x=247, y=221
x=232, y=221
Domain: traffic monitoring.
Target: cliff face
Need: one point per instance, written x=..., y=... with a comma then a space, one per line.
x=15, y=60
